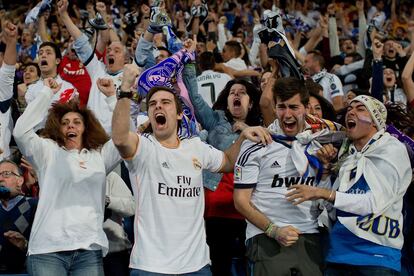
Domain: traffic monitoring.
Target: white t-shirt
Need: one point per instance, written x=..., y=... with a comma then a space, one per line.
x=237, y=64
x=34, y=89
x=332, y=85
x=96, y=100
x=210, y=84
x=270, y=171
x=6, y=122
x=70, y=212
x=169, y=225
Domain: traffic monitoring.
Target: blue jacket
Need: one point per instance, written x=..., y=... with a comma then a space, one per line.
x=220, y=132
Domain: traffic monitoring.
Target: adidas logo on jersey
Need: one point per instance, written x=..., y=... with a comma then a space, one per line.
x=275, y=165
x=165, y=165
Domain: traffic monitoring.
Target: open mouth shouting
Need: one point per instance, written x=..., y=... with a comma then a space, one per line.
x=389, y=80
x=350, y=124
x=289, y=125
x=111, y=60
x=160, y=119
x=71, y=135
x=43, y=62
x=237, y=103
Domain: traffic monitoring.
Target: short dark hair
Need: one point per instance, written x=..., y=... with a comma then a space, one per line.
x=177, y=100
x=313, y=87
x=53, y=46
x=206, y=61
x=27, y=64
x=286, y=88
x=234, y=46
x=317, y=55
x=162, y=48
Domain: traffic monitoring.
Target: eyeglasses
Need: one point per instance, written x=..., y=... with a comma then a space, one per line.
x=7, y=174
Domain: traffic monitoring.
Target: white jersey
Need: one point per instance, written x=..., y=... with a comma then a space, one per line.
x=237, y=64
x=169, y=224
x=6, y=94
x=270, y=171
x=34, y=89
x=332, y=85
x=210, y=84
x=96, y=100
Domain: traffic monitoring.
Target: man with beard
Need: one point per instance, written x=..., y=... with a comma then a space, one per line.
x=282, y=239
x=374, y=175
x=332, y=86
x=115, y=60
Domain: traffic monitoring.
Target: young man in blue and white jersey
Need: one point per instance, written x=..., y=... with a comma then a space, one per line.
x=367, y=194
x=282, y=239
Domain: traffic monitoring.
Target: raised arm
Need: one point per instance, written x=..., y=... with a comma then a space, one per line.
x=30, y=144
x=377, y=71
x=125, y=140
x=333, y=31
x=254, y=134
x=267, y=103
x=42, y=30
x=362, y=26
x=407, y=80
x=10, y=37
x=64, y=15
x=9, y=62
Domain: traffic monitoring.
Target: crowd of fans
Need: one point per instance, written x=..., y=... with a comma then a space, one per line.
x=103, y=105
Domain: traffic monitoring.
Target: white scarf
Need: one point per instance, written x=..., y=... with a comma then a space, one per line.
x=318, y=76
x=306, y=137
x=388, y=175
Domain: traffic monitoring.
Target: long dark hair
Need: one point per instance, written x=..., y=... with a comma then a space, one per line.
x=254, y=117
x=93, y=137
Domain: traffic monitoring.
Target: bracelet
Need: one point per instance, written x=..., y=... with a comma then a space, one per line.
x=269, y=228
x=330, y=195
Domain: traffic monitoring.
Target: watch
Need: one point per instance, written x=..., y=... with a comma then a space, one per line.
x=124, y=94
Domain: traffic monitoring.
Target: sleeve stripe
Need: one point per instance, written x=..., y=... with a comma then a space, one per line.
x=245, y=186
x=89, y=59
x=245, y=155
x=241, y=155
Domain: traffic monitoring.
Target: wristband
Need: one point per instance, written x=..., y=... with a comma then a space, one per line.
x=125, y=94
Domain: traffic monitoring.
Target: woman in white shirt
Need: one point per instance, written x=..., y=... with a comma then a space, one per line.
x=71, y=157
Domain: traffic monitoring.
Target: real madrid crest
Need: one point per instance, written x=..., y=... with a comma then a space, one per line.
x=196, y=164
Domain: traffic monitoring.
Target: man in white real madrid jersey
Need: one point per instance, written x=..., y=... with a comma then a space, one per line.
x=282, y=238
x=210, y=83
x=332, y=86
x=169, y=226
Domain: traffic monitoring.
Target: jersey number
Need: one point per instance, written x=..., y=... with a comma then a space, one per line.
x=212, y=91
